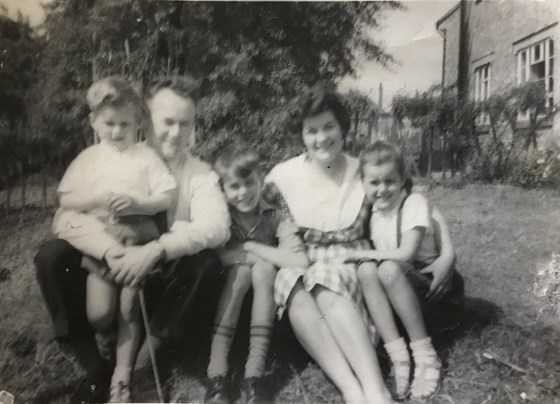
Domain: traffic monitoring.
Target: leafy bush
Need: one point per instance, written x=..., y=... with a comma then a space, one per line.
x=539, y=169
x=529, y=169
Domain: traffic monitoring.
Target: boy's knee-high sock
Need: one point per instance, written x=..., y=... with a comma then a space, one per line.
x=258, y=349
x=219, y=351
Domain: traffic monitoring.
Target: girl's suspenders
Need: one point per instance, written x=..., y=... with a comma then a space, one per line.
x=399, y=220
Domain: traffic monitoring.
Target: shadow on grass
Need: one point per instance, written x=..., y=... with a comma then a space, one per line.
x=475, y=316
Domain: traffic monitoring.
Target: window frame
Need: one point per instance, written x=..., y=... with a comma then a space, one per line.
x=482, y=90
x=541, y=51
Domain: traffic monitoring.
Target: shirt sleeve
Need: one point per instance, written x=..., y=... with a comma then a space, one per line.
x=287, y=234
x=75, y=179
x=209, y=222
x=159, y=178
x=416, y=213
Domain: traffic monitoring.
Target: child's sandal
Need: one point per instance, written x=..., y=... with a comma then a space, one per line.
x=427, y=380
x=401, y=372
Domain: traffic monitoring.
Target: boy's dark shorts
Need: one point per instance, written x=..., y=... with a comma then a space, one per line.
x=447, y=313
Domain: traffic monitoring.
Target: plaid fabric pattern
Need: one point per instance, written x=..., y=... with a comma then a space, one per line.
x=326, y=252
x=356, y=231
x=327, y=269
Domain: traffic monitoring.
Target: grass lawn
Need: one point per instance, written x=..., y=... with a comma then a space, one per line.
x=503, y=236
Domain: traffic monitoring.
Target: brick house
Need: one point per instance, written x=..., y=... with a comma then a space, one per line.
x=490, y=46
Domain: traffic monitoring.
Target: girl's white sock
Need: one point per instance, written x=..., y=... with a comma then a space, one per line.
x=397, y=350
x=423, y=351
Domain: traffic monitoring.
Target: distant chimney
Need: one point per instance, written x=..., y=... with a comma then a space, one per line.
x=380, y=101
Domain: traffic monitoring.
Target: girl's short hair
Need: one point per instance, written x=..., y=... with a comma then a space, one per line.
x=113, y=91
x=184, y=86
x=237, y=161
x=315, y=101
x=380, y=153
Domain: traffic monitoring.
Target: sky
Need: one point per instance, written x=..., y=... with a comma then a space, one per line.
x=409, y=35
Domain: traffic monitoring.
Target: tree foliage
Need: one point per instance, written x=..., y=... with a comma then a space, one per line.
x=249, y=58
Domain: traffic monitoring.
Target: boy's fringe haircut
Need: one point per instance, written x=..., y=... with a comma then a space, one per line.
x=237, y=161
x=380, y=153
x=113, y=91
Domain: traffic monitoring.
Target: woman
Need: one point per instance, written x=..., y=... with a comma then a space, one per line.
x=322, y=191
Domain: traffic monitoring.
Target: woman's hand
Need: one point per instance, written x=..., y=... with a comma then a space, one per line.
x=441, y=283
x=123, y=204
x=357, y=255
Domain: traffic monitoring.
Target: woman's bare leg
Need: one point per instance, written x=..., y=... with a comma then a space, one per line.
x=350, y=332
x=315, y=336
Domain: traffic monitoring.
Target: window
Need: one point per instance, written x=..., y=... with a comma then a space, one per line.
x=536, y=64
x=482, y=90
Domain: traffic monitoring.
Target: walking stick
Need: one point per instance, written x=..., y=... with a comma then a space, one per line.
x=150, y=344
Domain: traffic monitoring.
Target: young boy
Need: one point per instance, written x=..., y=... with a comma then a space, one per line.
x=114, y=186
x=250, y=256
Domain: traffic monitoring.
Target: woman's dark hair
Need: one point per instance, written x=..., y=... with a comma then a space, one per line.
x=184, y=86
x=315, y=101
x=380, y=153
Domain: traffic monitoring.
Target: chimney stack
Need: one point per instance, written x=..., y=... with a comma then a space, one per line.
x=380, y=101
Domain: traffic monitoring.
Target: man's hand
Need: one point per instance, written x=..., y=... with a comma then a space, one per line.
x=441, y=283
x=113, y=258
x=132, y=267
x=123, y=204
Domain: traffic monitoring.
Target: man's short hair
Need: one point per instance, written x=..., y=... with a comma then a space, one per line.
x=184, y=86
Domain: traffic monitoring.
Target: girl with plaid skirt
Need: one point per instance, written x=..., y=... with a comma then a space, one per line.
x=321, y=189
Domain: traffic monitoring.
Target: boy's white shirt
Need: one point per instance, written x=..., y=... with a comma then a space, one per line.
x=199, y=219
x=416, y=213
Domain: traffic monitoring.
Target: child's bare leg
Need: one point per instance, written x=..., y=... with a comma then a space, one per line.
x=403, y=298
x=314, y=334
x=237, y=284
x=262, y=318
x=101, y=302
x=350, y=332
x=128, y=336
x=382, y=314
x=426, y=362
x=377, y=302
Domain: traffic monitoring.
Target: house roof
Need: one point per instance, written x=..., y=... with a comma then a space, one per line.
x=448, y=14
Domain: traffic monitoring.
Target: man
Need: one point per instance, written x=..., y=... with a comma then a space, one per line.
x=191, y=282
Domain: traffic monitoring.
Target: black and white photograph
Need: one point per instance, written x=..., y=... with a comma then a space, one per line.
x=307, y=202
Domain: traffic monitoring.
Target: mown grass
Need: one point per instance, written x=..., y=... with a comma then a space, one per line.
x=502, y=234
